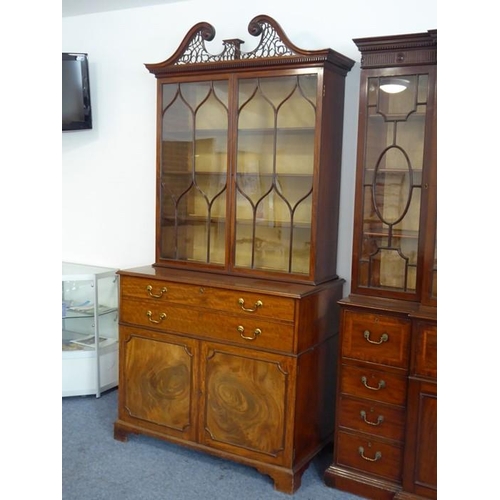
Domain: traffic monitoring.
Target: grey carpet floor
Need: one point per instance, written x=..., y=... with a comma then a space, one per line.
x=97, y=467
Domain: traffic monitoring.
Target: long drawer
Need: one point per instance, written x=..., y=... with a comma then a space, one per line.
x=211, y=324
x=231, y=301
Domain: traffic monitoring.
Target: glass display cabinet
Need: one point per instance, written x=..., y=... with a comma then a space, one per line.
x=228, y=341
x=89, y=329
x=385, y=430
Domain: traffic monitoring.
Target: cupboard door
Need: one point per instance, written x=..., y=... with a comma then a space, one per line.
x=192, y=184
x=420, y=475
x=158, y=381
x=246, y=402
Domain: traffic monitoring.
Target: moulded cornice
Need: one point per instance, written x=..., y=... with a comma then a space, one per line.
x=398, y=50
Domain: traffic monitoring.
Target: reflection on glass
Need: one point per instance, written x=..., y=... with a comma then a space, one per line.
x=274, y=172
x=392, y=184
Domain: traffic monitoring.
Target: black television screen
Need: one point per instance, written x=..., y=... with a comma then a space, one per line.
x=76, y=105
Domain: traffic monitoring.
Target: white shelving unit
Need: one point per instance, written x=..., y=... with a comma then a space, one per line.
x=89, y=329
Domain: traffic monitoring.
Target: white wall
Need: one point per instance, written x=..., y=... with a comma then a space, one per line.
x=108, y=173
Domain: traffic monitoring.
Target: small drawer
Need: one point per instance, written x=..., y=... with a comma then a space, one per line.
x=252, y=331
x=232, y=301
x=372, y=384
x=369, y=455
x=372, y=418
x=376, y=338
x=425, y=361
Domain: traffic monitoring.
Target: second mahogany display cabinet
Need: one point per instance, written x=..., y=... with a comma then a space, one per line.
x=228, y=341
x=386, y=432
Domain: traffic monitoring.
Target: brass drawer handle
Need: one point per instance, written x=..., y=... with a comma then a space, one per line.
x=256, y=333
x=149, y=289
x=381, y=384
x=383, y=338
x=258, y=304
x=380, y=418
x=162, y=317
x=378, y=455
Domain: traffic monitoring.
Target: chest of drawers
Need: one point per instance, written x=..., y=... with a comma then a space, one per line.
x=237, y=367
x=385, y=433
x=375, y=351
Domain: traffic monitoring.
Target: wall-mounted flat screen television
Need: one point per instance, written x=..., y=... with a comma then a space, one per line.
x=76, y=105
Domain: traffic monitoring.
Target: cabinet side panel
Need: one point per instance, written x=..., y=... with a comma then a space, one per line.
x=318, y=315
x=329, y=168
x=315, y=401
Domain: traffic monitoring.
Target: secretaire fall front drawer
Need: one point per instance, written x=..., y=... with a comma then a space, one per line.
x=232, y=301
x=376, y=338
x=251, y=331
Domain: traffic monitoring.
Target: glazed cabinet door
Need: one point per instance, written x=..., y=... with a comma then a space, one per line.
x=192, y=184
x=246, y=402
x=274, y=183
x=158, y=382
x=395, y=170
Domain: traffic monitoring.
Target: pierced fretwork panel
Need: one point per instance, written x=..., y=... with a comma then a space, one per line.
x=272, y=43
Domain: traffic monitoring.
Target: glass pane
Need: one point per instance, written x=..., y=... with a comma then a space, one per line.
x=274, y=173
x=194, y=171
x=392, y=184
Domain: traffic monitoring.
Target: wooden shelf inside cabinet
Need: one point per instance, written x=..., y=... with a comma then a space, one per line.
x=278, y=130
x=378, y=231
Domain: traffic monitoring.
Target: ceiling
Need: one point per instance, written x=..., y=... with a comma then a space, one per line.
x=79, y=7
